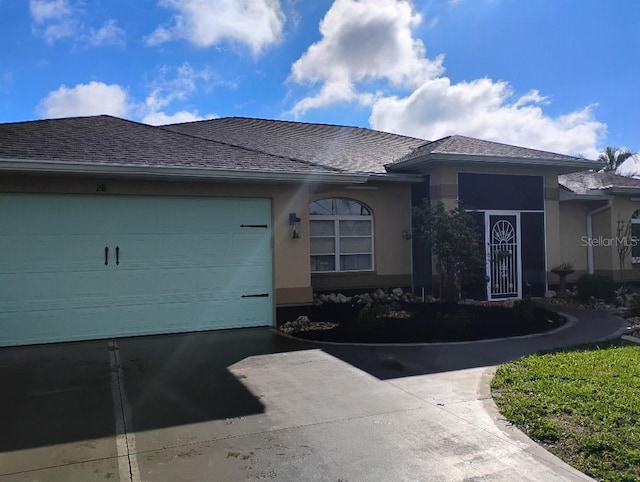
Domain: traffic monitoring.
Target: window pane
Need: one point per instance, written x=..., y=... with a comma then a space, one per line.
x=355, y=262
x=355, y=228
x=349, y=207
x=355, y=245
x=323, y=263
x=323, y=206
x=321, y=228
x=322, y=245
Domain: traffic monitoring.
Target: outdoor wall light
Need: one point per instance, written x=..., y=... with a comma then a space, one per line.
x=294, y=223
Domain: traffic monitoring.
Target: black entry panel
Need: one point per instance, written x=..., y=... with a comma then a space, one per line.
x=533, y=253
x=500, y=192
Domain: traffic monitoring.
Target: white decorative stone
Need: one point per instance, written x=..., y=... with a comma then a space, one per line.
x=550, y=294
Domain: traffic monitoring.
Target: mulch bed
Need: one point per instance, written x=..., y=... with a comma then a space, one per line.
x=424, y=322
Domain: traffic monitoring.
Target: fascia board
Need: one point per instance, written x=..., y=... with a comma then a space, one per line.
x=170, y=172
x=472, y=158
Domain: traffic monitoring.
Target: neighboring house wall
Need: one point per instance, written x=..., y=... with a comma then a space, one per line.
x=603, y=256
x=292, y=281
x=623, y=206
x=573, y=231
x=390, y=204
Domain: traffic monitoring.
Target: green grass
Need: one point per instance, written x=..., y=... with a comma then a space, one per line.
x=582, y=405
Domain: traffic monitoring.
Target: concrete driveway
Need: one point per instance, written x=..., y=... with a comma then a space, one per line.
x=253, y=405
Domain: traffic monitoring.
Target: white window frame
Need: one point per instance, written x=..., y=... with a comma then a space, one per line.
x=336, y=218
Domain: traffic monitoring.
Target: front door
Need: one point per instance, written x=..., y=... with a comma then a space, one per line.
x=502, y=238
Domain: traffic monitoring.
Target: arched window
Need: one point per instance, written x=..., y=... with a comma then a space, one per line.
x=341, y=232
x=635, y=237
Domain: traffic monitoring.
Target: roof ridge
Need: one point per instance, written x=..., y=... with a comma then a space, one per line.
x=286, y=121
x=250, y=149
x=476, y=139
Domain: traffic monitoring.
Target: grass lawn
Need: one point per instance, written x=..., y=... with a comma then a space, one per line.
x=582, y=405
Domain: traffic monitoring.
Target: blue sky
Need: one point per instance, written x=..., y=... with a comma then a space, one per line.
x=559, y=75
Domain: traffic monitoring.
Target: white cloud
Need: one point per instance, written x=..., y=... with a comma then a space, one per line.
x=488, y=110
x=204, y=23
x=159, y=36
x=175, y=85
x=362, y=41
x=44, y=10
x=368, y=55
x=53, y=19
x=178, y=83
x=86, y=99
x=161, y=118
x=108, y=34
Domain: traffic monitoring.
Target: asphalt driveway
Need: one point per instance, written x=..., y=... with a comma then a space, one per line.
x=252, y=405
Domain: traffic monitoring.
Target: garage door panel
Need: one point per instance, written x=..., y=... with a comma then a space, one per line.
x=184, y=265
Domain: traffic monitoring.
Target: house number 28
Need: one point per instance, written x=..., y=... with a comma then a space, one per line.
x=101, y=188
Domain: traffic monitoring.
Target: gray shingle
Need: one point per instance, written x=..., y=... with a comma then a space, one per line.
x=477, y=147
x=110, y=140
x=584, y=181
x=350, y=149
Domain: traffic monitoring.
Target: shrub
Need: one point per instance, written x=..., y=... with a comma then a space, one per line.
x=457, y=322
x=596, y=285
x=372, y=317
x=525, y=309
x=634, y=304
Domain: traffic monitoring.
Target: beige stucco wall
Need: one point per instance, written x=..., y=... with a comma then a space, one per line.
x=572, y=229
x=292, y=280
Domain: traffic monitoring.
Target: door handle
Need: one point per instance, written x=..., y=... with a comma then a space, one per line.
x=106, y=255
x=117, y=255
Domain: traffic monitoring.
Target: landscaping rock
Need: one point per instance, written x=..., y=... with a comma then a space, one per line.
x=550, y=294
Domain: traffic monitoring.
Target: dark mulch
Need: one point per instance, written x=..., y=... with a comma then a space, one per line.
x=428, y=322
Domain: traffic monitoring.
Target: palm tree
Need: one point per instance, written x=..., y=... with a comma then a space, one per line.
x=613, y=157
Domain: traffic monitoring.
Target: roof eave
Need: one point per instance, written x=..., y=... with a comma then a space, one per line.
x=175, y=173
x=591, y=195
x=396, y=177
x=622, y=190
x=562, y=164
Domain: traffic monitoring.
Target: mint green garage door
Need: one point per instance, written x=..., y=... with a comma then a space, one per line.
x=85, y=267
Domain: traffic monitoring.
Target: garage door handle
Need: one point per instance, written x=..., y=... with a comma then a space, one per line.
x=261, y=295
x=117, y=255
x=106, y=255
x=254, y=226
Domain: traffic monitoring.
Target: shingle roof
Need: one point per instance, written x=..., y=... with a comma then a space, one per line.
x=352, y=149
x=113, y=141
x=584, y=181
x=477, y=147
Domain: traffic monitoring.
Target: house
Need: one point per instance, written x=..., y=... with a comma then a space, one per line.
x=595, y=208
x=113, y=228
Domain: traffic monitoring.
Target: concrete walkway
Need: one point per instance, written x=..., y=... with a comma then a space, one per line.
x=253, y=405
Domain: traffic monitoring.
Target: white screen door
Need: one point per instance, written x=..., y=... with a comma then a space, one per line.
x=502, y=237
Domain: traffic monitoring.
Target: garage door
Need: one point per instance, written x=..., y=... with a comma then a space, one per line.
x=88, y=267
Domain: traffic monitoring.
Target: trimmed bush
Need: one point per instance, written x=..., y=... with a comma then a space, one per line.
x=596, y=285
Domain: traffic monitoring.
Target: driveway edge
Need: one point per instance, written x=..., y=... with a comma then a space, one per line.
x=528, y=445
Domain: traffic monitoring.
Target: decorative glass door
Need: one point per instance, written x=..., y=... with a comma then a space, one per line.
x=502, y=235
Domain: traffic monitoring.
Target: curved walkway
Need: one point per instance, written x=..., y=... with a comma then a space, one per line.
x=253, y=405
